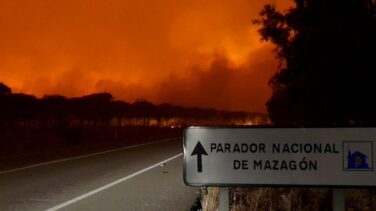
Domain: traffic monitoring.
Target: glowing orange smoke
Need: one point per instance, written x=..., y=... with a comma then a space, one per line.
x=194, y=53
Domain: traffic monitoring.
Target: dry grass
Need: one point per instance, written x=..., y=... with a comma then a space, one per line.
x=294, y=199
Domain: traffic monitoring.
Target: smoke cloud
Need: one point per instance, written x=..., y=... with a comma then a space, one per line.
x=193, y=53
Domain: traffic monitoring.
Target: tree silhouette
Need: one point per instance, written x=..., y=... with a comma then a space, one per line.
x=21, y=109
x=144, y=110
x=68, y=117
x=165, y=112
x=4, y=89
x=121, y=110
x=55, y=110
x=95, y=107
x=326, y=50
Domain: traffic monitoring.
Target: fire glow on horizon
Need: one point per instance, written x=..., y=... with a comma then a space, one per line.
x=190, y=53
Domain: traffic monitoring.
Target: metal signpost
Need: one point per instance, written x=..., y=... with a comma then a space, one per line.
x=306, y=157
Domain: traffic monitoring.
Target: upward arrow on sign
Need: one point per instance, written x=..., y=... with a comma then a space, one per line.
x=199, y=151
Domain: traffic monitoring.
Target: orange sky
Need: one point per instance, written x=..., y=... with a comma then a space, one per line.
x=187, y=52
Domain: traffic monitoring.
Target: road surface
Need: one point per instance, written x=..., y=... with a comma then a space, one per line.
x=147, y=177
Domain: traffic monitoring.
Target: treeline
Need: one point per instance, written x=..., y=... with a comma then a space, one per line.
x=101, y=110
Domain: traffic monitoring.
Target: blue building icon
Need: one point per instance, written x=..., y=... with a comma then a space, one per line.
x=357, y=160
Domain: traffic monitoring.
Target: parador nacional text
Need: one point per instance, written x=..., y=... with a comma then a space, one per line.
x=306, y=148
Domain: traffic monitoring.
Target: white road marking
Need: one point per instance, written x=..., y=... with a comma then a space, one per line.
x=82, y=156
x=78, y=198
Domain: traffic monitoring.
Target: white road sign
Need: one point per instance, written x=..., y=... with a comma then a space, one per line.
x=279, y=156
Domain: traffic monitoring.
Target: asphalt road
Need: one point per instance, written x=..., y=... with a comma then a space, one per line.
x=147, y=177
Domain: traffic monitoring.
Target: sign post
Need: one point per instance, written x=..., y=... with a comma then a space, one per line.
x=304, y=157
x=339, y=200
x=224, y=199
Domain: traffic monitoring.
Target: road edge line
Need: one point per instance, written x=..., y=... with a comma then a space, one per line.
x=88, y=194
x=84, y=156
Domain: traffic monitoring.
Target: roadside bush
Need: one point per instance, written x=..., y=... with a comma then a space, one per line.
x=288, y=199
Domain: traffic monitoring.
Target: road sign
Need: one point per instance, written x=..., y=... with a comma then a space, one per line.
x=279, y=156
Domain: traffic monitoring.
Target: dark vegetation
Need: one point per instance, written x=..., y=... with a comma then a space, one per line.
x=35, y=129
x=327, y=53
x=326, y=75
x=288, y=199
